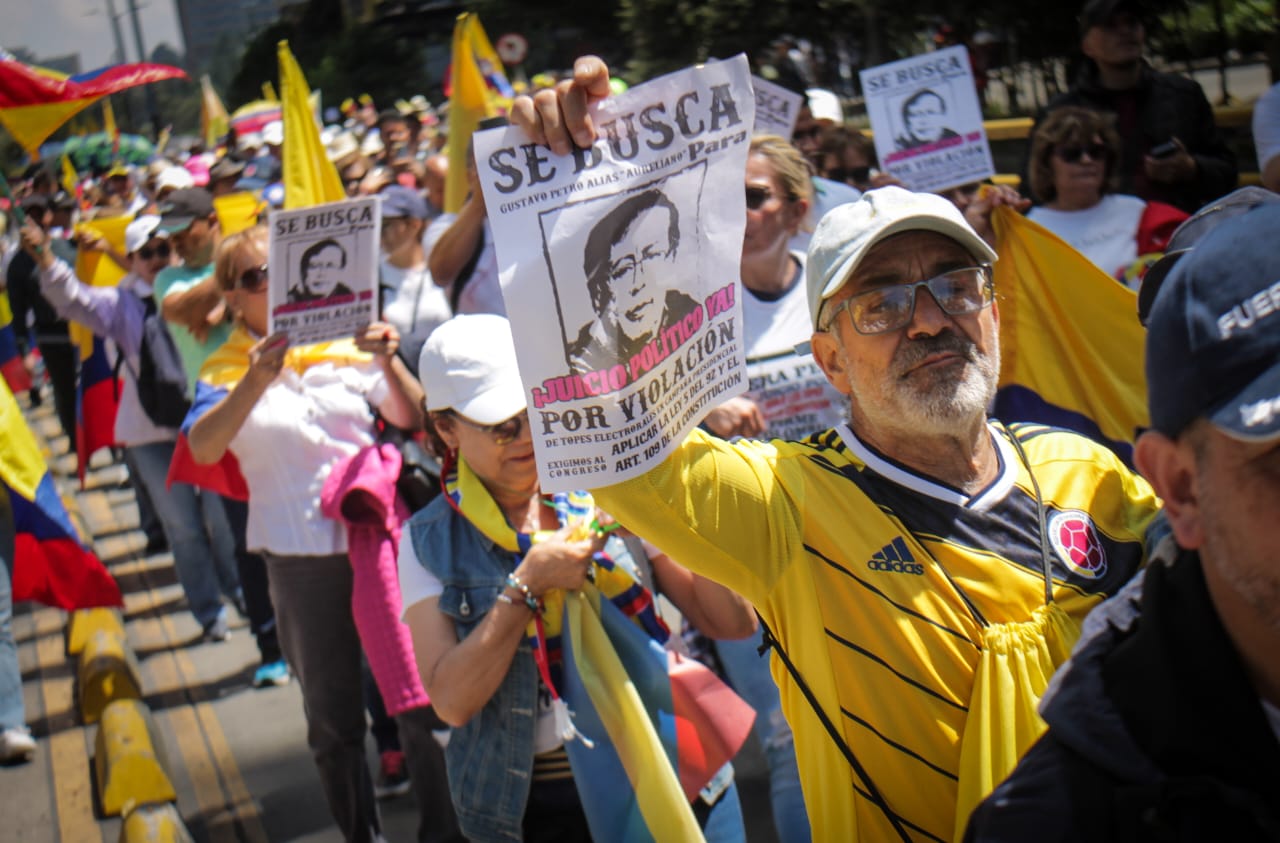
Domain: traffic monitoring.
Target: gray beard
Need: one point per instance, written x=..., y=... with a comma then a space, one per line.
x=936, y=406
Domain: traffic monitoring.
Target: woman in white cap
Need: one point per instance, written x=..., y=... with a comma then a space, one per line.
x=476, y=567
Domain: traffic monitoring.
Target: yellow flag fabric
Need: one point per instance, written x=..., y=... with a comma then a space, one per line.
x=476, y=75
x=109, y=123
x=1017, y=662
x=98, y=269
x=1072, y=349
x=214, y=120
x=237, y=211
x=69, y=177
x=21, y=465
x=662, y=803
x=269, y=91
x=309, y=176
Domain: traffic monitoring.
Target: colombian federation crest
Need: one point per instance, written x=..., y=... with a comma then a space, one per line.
x=1076, y=541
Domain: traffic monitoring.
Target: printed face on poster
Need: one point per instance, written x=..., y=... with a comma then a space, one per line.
x=323, y=268
x=776, y=108
x=628, y=328
x=927, y=120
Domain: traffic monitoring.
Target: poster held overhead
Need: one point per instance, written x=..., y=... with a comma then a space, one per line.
x=927, y=121
x=776, y=108
x=622, y=261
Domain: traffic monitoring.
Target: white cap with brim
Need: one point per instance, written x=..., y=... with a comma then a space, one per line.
x=847, y=232
x=138, y=232
x=468, y=365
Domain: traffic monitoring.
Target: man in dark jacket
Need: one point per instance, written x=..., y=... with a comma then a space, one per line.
x=1164, y=725
x=1171, y=150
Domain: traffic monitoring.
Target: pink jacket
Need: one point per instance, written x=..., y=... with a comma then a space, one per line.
x=361, y=492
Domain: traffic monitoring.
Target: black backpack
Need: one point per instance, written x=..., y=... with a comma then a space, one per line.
x=160, y=378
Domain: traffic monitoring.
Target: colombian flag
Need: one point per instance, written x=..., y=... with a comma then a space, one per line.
x=477, y=88
x=214, y=121
x=11, y=366
x=50, y=563
x=98, y=390
x=659, y=731
x=1072, y=349
x=35, y=101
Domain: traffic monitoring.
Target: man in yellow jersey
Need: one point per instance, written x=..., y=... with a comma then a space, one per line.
x=924, y=570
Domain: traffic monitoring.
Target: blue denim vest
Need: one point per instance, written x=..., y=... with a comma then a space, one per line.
x=490, y=759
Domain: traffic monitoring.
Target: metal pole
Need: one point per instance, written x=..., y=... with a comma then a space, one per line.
x=152, y=110
x=121, y=58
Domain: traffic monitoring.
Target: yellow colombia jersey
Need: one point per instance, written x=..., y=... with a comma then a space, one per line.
x=878, y=584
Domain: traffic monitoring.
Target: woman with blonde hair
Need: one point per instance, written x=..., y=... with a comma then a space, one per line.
x=289, y=415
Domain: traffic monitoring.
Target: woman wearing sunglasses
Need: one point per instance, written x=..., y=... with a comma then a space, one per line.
x=1073, y=170
x=289, y=415
x=482, y=570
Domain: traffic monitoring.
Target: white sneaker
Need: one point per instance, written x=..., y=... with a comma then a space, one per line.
x=16, y=744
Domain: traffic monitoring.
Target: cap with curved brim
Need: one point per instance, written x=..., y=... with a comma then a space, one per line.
x=848, y=232
x=468, y=365
x=1253, y=415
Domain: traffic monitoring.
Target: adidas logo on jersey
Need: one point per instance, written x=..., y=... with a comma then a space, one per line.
x=895, y=557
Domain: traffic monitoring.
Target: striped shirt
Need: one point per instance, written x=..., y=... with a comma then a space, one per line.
x=878, y=583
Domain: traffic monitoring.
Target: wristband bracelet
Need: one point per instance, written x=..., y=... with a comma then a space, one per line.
x=529, y=600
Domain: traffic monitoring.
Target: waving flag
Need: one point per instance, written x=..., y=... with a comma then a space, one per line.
x=1072, y=349
x=11, y=366
x=35, y=101
x=50, y=563
x=214, y=122
x=309, y=176
x=477, y=88
x=109, y=125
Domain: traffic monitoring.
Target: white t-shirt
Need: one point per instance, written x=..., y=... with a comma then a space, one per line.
x=482, y=293
x=1106, y=234
x=414, y=304
x=790, y=390
x=1266, y=126
x=300, y=427
x=827, y=194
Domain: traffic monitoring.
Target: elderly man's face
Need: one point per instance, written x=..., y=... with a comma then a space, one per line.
x=1116, y=41
x=636, y=269
x=926, y=118
x=930, y=377
x=324, y=271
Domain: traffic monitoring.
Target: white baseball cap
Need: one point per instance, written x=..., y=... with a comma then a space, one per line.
x=273, y=133
x=847, y=232
x=138, y=232
x=824, y=105
x=174, y=177
x=468, y=365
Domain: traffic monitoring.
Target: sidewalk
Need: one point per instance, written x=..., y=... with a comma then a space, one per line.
x=237, y=755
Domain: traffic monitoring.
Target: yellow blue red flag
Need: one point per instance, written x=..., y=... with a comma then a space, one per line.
x=35, y=101
x=50, y=564
x=477, y=87
x=1072, y=349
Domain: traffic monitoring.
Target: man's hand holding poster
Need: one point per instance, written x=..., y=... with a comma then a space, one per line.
x=619, y=266
x=323, y=269
x=927, y=121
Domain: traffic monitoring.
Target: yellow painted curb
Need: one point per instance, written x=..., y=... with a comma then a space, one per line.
x=108, y=671
x=153, y=824
x=85, y=622
x=128, y=765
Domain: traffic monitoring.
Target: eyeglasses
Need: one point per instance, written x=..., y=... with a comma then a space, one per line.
x=253, y=280
x=503, y=433
x=757, y=196
x=885, y=309
x=850, y=175
x=1072, y=154
x=161, y=251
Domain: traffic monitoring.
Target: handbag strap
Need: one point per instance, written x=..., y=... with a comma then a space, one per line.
x=876, y=798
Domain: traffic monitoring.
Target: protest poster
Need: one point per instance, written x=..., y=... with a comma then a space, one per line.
x=793, y=395
x=776, y=108
x=927, y=121
x=322, y=267
x=619, y=267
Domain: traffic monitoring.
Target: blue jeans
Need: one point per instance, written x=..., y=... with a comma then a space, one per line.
x=748, y=672
x=12, y=712
x=195, y=523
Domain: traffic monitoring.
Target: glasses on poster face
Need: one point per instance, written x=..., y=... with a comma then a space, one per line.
x=884, y=309
x=1073, y=154
x=161, y=251
x=502, y=433
x=253, y=280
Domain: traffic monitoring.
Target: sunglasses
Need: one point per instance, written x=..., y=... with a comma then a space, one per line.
x=161, y=251
x=885, y=309
x=504, y=432
x=1072, y=154
x=850, y=175
x=253, y=280
x=757, y=196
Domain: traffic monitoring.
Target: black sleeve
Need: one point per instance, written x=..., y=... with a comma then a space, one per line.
x=18, y=280
x=1216, y=169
